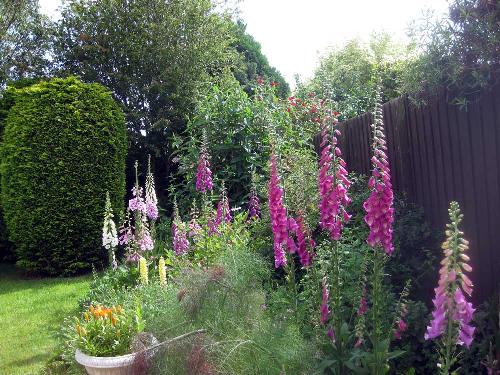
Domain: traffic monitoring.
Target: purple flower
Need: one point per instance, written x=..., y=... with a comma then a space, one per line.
x=400, y=328
x=303, y=241
x=179, y=235
x=145, y=241
x=449, y=301
x=331, y=334
x=333, y=186
x=363, y=306
x=279, y=220
x=253, y=205
x=203, y=173
x=379, y=212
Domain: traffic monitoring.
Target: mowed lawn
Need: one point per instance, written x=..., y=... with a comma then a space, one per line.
x=31, y=312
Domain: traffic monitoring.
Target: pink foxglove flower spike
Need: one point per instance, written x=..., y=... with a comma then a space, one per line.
x=277, y=212
x=452, y=313
x=379, y=206
x=203, y=173
x=333, y=184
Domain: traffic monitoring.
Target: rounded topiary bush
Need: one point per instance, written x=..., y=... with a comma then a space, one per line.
x=64, y=145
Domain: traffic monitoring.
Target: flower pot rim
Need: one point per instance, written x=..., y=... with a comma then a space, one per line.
x=104, y=362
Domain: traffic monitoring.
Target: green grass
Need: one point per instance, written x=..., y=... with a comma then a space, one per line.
x=31, y=312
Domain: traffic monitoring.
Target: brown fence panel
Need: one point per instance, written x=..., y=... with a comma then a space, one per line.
x=440, y=153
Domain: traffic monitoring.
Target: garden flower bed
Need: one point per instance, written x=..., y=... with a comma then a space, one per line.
x=341, y=298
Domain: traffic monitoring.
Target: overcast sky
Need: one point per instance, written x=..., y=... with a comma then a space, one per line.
x=294, y=33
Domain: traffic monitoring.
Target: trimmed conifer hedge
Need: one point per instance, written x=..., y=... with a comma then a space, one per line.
x=64, y=145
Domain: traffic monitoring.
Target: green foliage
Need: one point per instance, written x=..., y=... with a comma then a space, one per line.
x=240, y=130
x=227, y=299
x=349, y=75
x=24, y=40
x=154, y=56
x=63, y=147
x=458, y=52
x=254, y=64
x=106, y=331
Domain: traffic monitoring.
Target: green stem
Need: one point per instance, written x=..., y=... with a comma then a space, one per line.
x=378, y=275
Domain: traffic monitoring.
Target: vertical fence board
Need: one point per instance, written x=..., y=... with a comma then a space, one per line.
x=440, y=153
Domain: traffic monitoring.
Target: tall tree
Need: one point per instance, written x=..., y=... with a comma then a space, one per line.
x=154, y=55
x=24, y=40
x=254, y=63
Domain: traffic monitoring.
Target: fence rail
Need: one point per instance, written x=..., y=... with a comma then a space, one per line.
x=439, y=153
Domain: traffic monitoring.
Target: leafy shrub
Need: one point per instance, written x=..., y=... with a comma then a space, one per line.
x=460, y=52
x=64, y=146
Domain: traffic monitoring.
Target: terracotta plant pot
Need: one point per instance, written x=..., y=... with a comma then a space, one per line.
x=120, y=365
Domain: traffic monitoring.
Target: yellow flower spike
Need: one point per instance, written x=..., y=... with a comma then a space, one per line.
x=163, y=272
x=86, y=316
x=143, y=271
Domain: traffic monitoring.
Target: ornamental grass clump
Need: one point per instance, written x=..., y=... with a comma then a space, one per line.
x=452, y=315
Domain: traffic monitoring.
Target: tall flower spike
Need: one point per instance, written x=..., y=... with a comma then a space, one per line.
x=223, y=210
x=253, y=202
x=304, y=241
x=162, y=271
x=204, y=174
x=151, y=208
x=109, y=235
x=179, y=233
x=379, y=211
x=277, y=212
x=143, y=271
x=451, y=309
x=324, y=309
x=333, y=184
x=194, y=227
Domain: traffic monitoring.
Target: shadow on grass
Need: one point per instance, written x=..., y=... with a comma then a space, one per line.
x=25, y=362
x=12, y=279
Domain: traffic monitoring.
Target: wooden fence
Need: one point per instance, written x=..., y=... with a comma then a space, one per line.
x=439, y=153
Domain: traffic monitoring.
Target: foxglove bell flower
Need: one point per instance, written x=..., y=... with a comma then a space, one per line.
x=304, y=241
x=400, y=328
x=137, y=202
x=363, y=306
x=151, y=204
x=333, y=185
x=324, y=309
x=203, y=173
x=126, y=231
x=277, y=212
x=450, y=302
x=253, y=205
x=109, y=235
x=379, y=206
